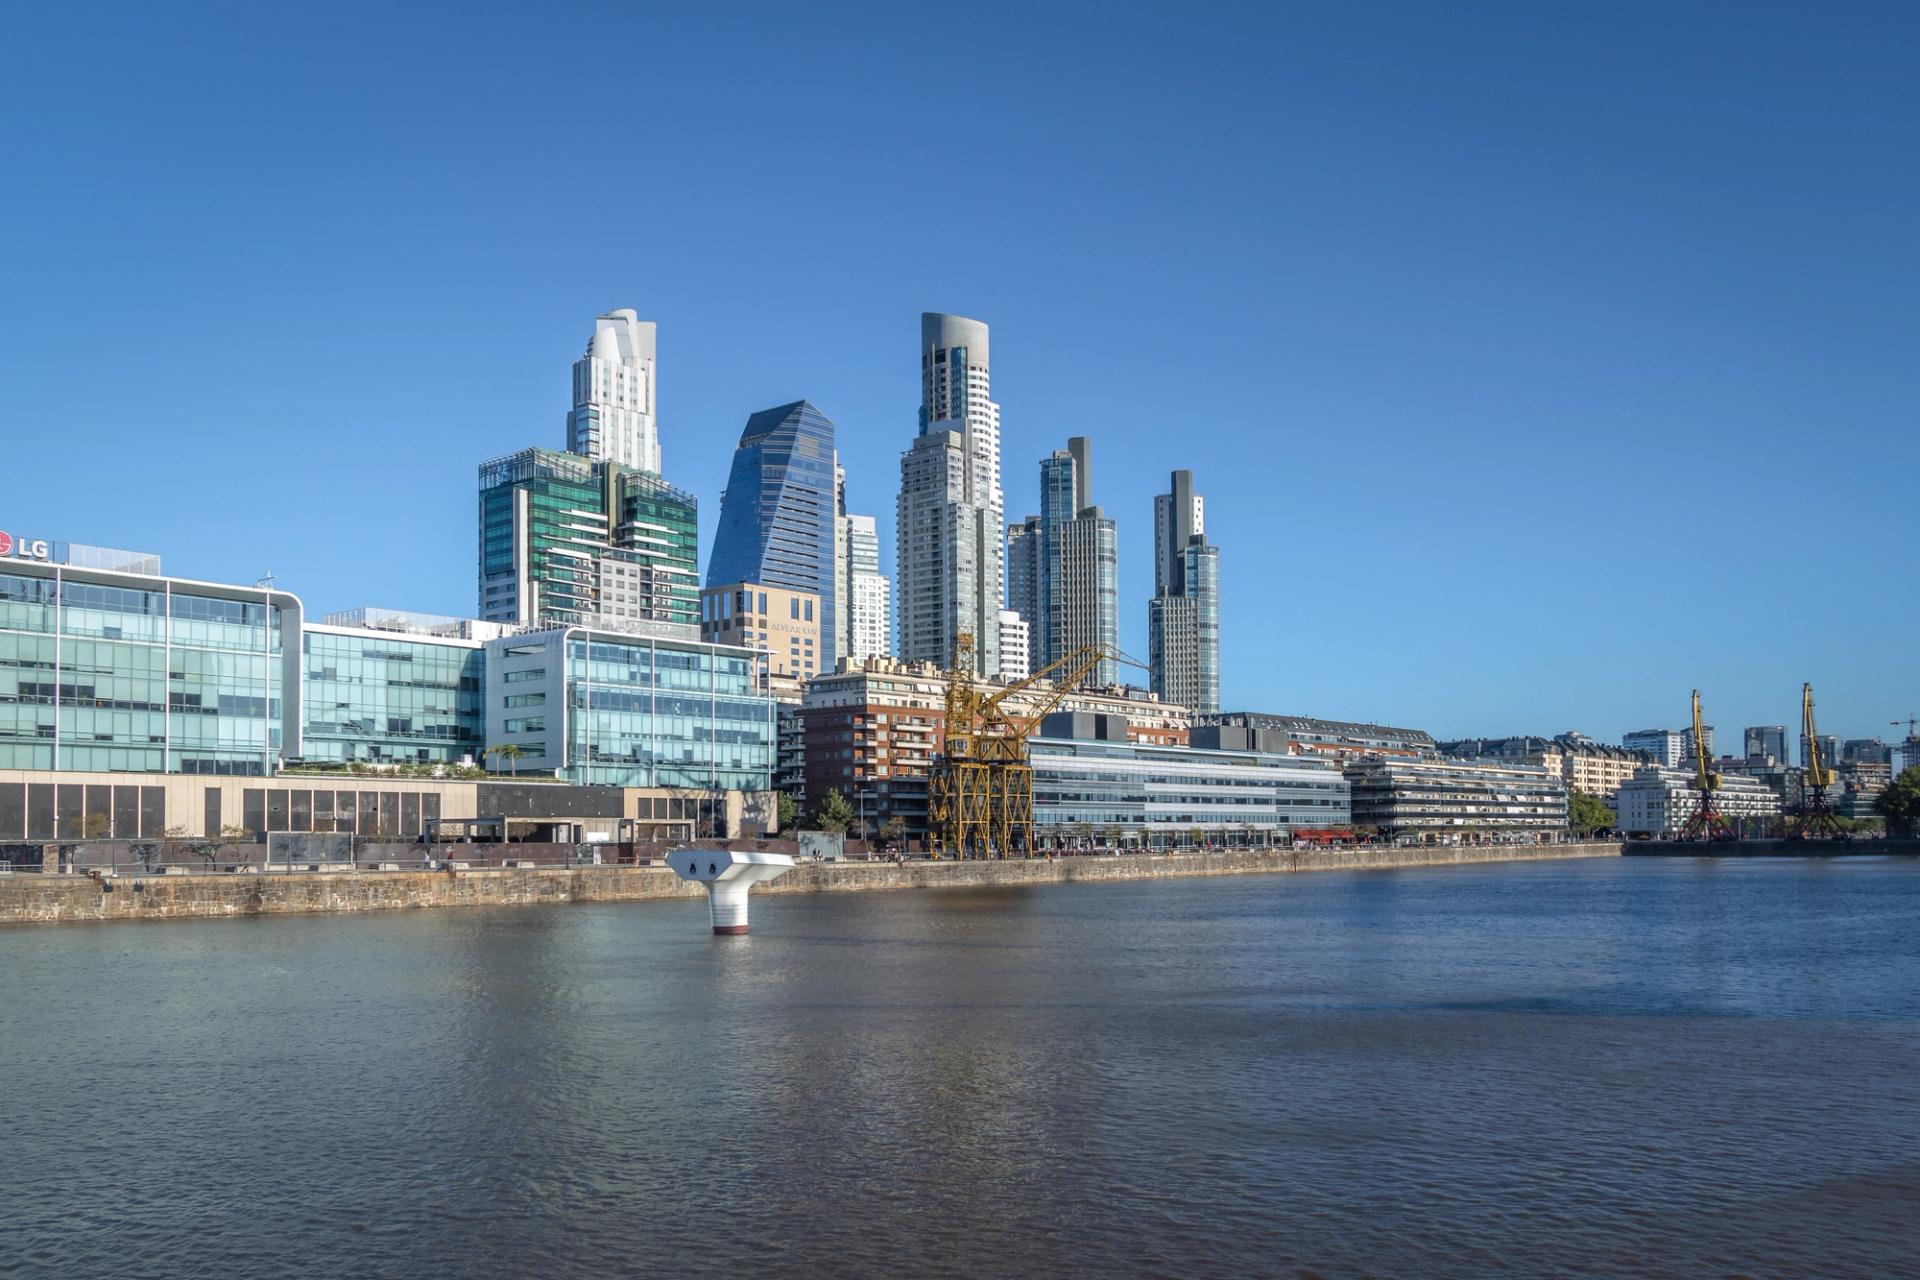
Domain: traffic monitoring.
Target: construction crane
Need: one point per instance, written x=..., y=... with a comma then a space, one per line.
x=1815, y=820
x=1705, y=822
x=980, y=789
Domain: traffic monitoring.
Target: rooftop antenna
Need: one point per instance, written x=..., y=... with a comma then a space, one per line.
x=264, y=580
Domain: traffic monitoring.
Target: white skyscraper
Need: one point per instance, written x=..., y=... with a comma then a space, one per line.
x=612, y=419
x=950, y=514
x=869, y=609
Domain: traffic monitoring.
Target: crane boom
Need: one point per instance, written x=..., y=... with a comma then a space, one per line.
x=1815, y=817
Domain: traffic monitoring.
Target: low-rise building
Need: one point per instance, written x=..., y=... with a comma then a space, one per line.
x=1439, y=798
x=1090, y=784
x=1658, y=801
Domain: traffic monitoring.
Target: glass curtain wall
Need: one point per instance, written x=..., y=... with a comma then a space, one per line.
x=386, y=698
x=647, y=715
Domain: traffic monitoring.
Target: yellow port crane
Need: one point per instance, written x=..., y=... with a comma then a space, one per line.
x=980, y=788
x=1706, y=823
x=1815, y=818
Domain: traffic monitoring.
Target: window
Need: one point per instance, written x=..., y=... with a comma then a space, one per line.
x=526, y=699
x=531, y=673
x=529, y=724
x=809, y=611
x=794, y=608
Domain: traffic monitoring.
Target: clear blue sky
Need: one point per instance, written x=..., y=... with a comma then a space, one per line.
x=1538, y=362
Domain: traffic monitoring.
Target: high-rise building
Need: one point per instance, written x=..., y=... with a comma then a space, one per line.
x=1865, y=751
x=777, y=516
x=1663, y=745
x=780, y=623
x=1687, y=751
x=1013, y=646
x=567, y=541
x=1063, y=566
x=1829, y=750
x=1766, y=740
x=1023, y=582
x=950, y=509
x=612, y=419
x=1183, y=618
x=868, y=607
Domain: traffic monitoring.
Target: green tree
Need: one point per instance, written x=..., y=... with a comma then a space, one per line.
x=511, y=753
x=834, y=814
x=787, y=812
x=1899, y=804
x=1586, y=814
x=894, y=829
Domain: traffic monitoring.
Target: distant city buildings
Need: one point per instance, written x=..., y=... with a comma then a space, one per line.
x=1338, y=739
x=1013, y=646
x=1686, y=743
x=1024, y=554
x=778, y=516
x=1766, y=740
x=1665, y=746
x=1829, y=750
x=950, y=509
x=612, y=419
x=1580, y=763
x=868, y=629
x=1183, y=618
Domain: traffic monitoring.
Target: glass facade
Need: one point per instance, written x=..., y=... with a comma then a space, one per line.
x=155, y=676
x=1158, y=793
x=589, y=543
x=378, y=696
x=777, y=515
x=643, y=714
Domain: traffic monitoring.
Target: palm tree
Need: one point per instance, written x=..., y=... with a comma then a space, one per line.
x=511, y=753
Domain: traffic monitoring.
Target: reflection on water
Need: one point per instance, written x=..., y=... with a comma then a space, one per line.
x=1615, y=1067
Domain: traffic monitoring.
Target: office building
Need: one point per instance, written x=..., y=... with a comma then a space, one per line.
x=1865, y=751
x=569, y=542
x=1183, y=618
x=1583, y=765
x=615, y=709
x=950, y=508
x=1091, y=783
x=612, y=419
x=1658, y=801
x=778, y=516
x=115, y=671
x=869, y=602
x=1686, y=743
x=1664, y=746
x=1766, y=740
x=783, y=625
x=382, y=687
x=1013, y=646
x=1427, y=799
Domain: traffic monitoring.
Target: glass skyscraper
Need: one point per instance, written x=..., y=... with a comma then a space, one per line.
x=1063, y=565
x=777, y=517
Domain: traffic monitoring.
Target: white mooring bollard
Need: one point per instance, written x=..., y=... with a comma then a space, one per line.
x=728, y=875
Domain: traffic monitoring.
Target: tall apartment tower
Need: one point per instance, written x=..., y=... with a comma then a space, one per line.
x=1066, y=574
x=1183, y=618
x=612, y=419
x=1664, y=745
x=869, y=600
x=778, y=514
x=1023, y=585
x=950, y=511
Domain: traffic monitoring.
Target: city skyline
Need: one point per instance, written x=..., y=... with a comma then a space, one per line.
x=1586, y=369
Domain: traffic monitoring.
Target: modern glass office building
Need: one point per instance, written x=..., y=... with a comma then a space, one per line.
x=631, y=710
x=1158, y=795
x=131, y=672
x=568, y=541
x=777, y=515
x=391, y=697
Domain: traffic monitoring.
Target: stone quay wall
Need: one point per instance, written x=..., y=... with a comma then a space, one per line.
x=31, y=898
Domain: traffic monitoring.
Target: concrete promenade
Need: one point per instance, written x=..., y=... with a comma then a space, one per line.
x=61, y=898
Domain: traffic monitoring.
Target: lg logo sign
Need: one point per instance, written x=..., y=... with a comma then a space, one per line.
x=25, y=548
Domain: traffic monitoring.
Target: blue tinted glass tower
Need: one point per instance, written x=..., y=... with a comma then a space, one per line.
x=777, y=514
